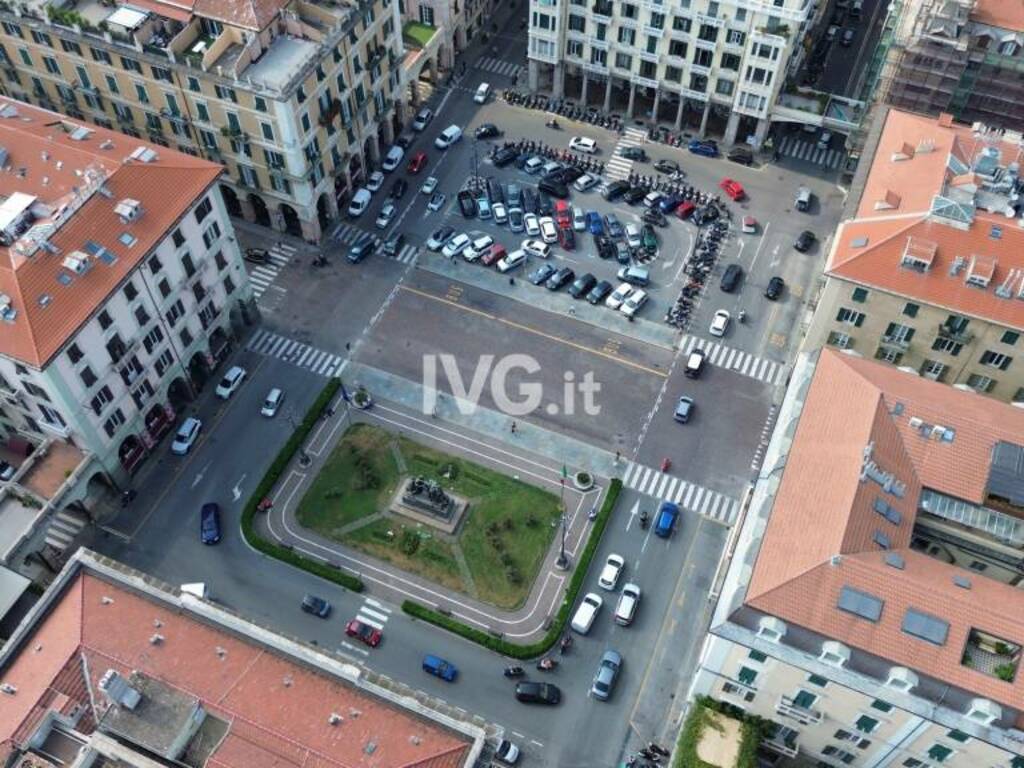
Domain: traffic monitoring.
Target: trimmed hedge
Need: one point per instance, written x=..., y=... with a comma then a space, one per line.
x=273, y=474
x=554, y=634
x=752, y=730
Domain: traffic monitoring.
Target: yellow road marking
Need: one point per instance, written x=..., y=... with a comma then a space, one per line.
x=535, y=332
x=796, y=290
x=777, y=339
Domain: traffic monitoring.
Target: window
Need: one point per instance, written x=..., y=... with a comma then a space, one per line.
x=657, y=20
x=731, y=62
x=141, y=93
x=51, y=65
x=12, y=29
x=881, y=706
x=268, y=131
x=51, y=416
x=203, y=209
x=996, y=359
x=87, y=376
x=673, y=74
x=860, y=295
x=102, y=398
x=164, y=287
x=577, y=23
x=71, y=47
x=939, y=753
x=947, y=345
x=865, y=724
x=104, y=319
x=627, y=36
x=910, y=309
x=186, y=337
x=131, y=65
x=724, y=87
x=35, y=391
x=817, y=680
x=202, y=113
x=177, y=238
x=677, y=48
x=193, y=84
x=747, y=676
x=223, y=92
x=260, y=104
x=44, y=39
x=804, y=699
x=574, y=48
x=175, y=313
x=623, y=60
x=840, y=340
x=850, y=317
x=757, y=656
x=211, y=234
x=74, y=353
x=736, y=37
x=978, y=566
x=960, y=736
x=152, y=338
x=1009, y=338
x=116, y=420
x=162, y=73
x=681, y=24
x=980, y=383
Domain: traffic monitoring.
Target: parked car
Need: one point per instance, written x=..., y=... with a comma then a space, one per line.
x=563, y=214
x=429, y=185
x=804, y=241
x=477, y=248
x=634, y=302
x=669, y=203
x=599, y=292
x=560, y=279
x=618, y=296
x=257, y=255
x=493, y=255
x=439, y=237
x=530, y=692
x=614, y=226
x=435, y=665
x=607, y=674
x=375, y=182
x=741, y=155
x=537, y=248
x=534, y=164
x=7, y=471
x=422, y=119
x=548, y=230
x=504, y=156
x=651, y=199
x=665, y=522
x=684, y=409
x=506, y=752
x=622, y=252
x=541, y=274
x=667, y=166
x=456, y=245
x=705, y=148
x=231, y=382
x=482, y=92
x=633, y=239
x=634, y=275
x=579, y=219
x=364, y=632
x=272, y=402
x=513, y=260
x=399, y=188
x=749, y=225
x=635, y=195
x=583, y=144
x=393, y=157
x=316, y=606
x=360, y=202
x=605, y=246
x=209, y=523
x=483, y=207
x=567, y=238
x=614, y=565
x=532, y=224
x=775, y=288
x=553, y=188
x=594, y=223
x=515, y=219
x=848, y=35
x=686, y=209
x=731, y=278
x=583, y=619
x=629, y=601
x=720, y=322
x=586, y=182
x=437, y=201
x=487, y=131
x=615, y=190
x=500, y=213
x=733, y=189
x=467, y=205
x=581, y=285
x=448, y=137
x=650, y=240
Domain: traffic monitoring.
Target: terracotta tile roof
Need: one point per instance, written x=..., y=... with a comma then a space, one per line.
x=1005, y=14
x=180, y=11
x=896, y=205
x=276, y=709
x=44, y=160
x=850, y=403
x=249, y=14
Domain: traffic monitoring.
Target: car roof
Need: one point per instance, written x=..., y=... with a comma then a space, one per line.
x=189, y=422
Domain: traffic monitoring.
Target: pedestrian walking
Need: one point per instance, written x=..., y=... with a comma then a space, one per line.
x=513, y=427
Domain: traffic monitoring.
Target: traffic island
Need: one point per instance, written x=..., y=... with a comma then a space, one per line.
x=388, y=497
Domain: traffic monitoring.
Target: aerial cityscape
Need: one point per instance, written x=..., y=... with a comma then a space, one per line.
x=468, y=384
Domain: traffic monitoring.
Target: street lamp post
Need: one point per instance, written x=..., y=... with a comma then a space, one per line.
x=562, y=561
x=304, y=458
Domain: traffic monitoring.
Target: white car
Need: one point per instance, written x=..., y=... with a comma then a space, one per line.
x=633, y=303
x=625, y=611
x=429, y=185
x=392, y=158
x=360, y=202
x=448, y=136
x=422, y=119
x=456, y=245
x=532, y=224
x=232, y=381
x=534, y=164
x=720, y=323
x=272, y=403
x=536, y=248
x=579, y=219
x=478, y=248
x=586, y=182
x=618, y=296
x=387, y=213
x=437, y=201
x=613, y=568
x=584, y=616
x=500, y=213
x=507, y=753
x=513, y=260
x=633, y=236
x=439, y=237
x=375, y=182
x=186, y=436
x=583, y=144
x=548, y=230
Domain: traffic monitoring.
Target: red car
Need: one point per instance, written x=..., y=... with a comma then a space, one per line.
x=567, y=238
x=685, y=209
x=562, y=214
x=733, y=189
x=364, y=632
x=418, y=161
x=493, y=256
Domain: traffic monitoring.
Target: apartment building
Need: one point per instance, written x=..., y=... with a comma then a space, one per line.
x=113, y=668
x=872, y=608
x=928, y=274
x=294, y=97
x=717, y=66
x=119, y=284
x=963, y=57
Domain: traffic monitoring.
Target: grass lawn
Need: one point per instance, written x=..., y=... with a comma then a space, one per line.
x=418, y=34
x=503, y=537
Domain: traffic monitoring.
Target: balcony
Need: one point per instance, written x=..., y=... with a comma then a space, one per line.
x=958, y=335
x=896, y=342
x=602, y=11
x=653, y=31
x=788, y=707
x=787, y=744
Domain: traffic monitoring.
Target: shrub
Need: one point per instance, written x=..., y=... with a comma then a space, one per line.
x=1006, y=672
x=266, y=485
x=410, y=542
x=554, y=633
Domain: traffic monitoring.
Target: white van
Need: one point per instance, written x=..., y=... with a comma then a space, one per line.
x=482, y=92
x=803, y=199
x=832, y=33
x=360, y=202
x=393, y=158
x=586, y=613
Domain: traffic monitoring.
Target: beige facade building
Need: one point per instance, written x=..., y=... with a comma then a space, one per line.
x=929, y=273
x=872, y=607
x=295, y=98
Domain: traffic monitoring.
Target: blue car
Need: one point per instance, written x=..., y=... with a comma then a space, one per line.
x=209, y=523
x=594, y=223
x=614, y=227
x=435, y=665
x=670, y=203
x=665, y=523
x=706, y=148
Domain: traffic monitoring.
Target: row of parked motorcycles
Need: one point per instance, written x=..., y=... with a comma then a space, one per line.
x=699, y=267
x=564, y=108
x=675, y=188
x=663, y=135
x=531, y=147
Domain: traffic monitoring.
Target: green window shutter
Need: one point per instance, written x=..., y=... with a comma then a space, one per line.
x=758, y=656
x=939, y=753
x=804, y=699
x=866, y=724
x=860, y=295
x=817, y=680
x=910, y=310
x=747, y=675
x=860, y=320
x=960, y=736
x=884, y=706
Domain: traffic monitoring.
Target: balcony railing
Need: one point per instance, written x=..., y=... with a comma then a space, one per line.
x=961, y=336
x=896, y=341
x=602, y=9
x=787, y=707
x=789, y=747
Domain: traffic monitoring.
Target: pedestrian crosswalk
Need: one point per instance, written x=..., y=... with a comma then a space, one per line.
x=736, y=360
x=805, y=150
x=318, y=361
x=263, y=276
x=374, y=613
x=696, y=498
x=346, y=234
x=499, y=67
x=617, y=166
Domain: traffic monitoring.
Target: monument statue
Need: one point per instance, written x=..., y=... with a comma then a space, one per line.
x=428, y=496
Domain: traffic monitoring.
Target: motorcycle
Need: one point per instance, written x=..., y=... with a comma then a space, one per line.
x=547, y=664
x=666, y=464
x=742, y=316
x=514, y=672
x=552, y=124
x=565, y=643
x=644, y=520
x=128, y=496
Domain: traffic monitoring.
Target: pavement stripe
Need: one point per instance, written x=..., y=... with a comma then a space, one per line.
x=316, y=360
x=643, y=483
x=689, y=495
x=661, y=486
x=780, y=376
x=696, y=498
x=379, y=606
x=671, y=489
x=256, y=338
x=678, y=497
x=707, y=500
x=371, y=622
x=364, y=611
x=329, y=364
x=305, y=356
x=275, y=347
x=627, y=479
x=727, y=358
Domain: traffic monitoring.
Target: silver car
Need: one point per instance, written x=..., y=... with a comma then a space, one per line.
x=607, y=674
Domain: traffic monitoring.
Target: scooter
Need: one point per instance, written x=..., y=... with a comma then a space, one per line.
x=514, y=672
x=565, y=643
x=666, y=464
x=742, y=316
x=644, y=520
x=547, y=664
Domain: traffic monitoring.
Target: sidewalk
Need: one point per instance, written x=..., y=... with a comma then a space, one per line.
x=517, y=457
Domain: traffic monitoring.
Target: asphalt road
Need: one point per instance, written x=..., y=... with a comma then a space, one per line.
x=845, y=65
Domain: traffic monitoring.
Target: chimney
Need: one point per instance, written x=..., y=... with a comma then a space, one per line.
x=129, y=210
x=118, y=691
x=945, y=120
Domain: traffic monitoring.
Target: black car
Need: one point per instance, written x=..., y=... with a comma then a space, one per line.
x=615, y=190
x=705, y=215
x=316, y=606
x=605, y=247
x=804, y=241
x=560, y=279
x=467, y=204
x=529, y=200
x=209, y=523
x=666, y=166
x=257, y=255
x=657, y=218
x=399, y=188
x=599, y=292
x=622, y=252
x=541, y=274
x=775, y=287
x=487, y=131
x=522, y=160
x=731, y=278
x=635, y=195
x=530, y=692
x=633, y=153
x=495, y=192
x=555, y=189
x=570, y=174
x=582, y=286
x=504, y=157
x=741, y=155
x=544, y=205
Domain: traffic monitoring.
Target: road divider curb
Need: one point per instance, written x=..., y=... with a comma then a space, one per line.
x=286, y=552
x=493, y=639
